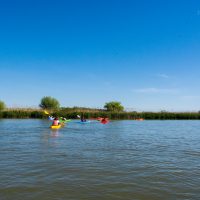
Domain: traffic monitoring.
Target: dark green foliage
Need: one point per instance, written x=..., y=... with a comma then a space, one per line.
x=16, y=114
x=2, y=106
x=49, y=103
x=23, y=114
x=114, y=106
x=37, y=114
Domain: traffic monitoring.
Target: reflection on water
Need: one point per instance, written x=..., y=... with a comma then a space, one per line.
x=54, y=133
x=125, y=160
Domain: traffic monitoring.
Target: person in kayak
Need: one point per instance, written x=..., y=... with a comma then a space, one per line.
x=104, y=120
x=83, y=119
x=56, y=122
x=63, y=119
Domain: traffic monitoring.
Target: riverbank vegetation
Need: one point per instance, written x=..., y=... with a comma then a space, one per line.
x=114, y=106
x=2, y=106
x=112, y=110
x=71, y=113
x=49, y=103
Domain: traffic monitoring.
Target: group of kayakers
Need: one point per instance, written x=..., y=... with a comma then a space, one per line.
x=60, y=121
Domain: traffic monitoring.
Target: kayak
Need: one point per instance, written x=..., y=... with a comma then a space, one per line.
x=104, y=121
x=63, y=121
x=55, y=127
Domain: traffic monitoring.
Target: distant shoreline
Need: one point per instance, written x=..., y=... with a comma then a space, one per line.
x=71, y=113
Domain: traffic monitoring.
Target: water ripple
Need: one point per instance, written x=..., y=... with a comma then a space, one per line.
x=122, y=160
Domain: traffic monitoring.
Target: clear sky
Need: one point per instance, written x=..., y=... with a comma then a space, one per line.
x=144, y=53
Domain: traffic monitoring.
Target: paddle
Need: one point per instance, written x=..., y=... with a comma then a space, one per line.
x=50, y=117
x=46, y=112
x=82, y=120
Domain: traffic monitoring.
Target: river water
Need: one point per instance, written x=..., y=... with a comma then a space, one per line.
x=122, y=160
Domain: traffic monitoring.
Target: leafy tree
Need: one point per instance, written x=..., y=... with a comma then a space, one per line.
x=114, y=106
x=49, y=103
x=2, y=105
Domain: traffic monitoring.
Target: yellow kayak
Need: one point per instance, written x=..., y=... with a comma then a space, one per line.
x=55, y=127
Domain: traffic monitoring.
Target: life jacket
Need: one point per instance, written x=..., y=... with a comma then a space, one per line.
x=55, y=122
x=104, y=121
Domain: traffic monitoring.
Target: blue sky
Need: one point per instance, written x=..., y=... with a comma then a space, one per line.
x=144, y=53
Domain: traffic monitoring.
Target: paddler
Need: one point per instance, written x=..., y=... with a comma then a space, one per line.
x=104, y=120
x=56, y=122
x=83, y=119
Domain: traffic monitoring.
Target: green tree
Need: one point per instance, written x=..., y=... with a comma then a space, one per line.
x=49, y=103
x=114, y=106
x=2, y=105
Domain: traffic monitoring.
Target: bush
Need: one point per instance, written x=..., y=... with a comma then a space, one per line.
x=2, y=105
x=49, y=103
x=114, y=106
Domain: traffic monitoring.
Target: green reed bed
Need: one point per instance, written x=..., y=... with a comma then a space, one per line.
x=71, y=113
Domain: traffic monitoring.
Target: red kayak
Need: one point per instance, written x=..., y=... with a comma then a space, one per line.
x=101, y=120
x=104, y=120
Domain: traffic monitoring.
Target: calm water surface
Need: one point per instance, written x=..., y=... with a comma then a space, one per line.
x=123, y=160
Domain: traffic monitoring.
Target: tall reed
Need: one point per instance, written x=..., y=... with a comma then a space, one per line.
x=71, y=113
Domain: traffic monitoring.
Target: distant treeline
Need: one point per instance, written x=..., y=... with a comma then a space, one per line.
x=71, y=113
